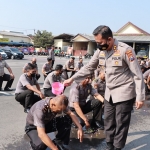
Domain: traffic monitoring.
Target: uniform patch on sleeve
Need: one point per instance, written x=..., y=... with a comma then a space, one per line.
x=130, y=55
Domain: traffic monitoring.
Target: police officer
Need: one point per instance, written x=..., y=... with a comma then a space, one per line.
x=42, y=119
x=54, y=76
x=52, y=55
x=124, y=84
x=69, y=67
x=99, y=83
x=4, y=76
x=80, y=106
x=25, y=89
x=79, y=64
x=33, y=61
x=47, y=67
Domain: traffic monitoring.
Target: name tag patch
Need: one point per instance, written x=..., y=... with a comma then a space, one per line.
x=116, y=58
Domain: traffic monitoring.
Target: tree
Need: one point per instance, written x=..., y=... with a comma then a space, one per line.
x=43, y=39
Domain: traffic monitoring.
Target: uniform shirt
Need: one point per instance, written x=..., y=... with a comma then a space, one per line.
x=51, y=78
x=47, y=67
x=52, y=54
x=101, y=85
x=68, y=64
x=37, y=117
x=146, y=74
x=23, y=81
x=79, y=65
x=124, y=79
x=3, y=65
x=78, y=93
x=27, y=65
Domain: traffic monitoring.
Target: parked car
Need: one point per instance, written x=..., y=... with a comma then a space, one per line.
x=4, y=55
x=13, y=53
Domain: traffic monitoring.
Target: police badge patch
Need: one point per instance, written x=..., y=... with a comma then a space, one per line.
x=130, y=55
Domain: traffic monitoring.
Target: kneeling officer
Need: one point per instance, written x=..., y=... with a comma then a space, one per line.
x=80, y=105
x=42, y=119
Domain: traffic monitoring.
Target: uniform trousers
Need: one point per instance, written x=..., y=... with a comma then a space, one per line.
x=117, y=120
x=48, y=92
x=60, y=124
x=27, y=98
x=6, y=77
x=38, y=76
x=53, y=63
x=92, y=105
x=65, y=74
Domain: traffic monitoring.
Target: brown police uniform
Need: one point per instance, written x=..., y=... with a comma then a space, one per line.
x=124, y=82
x=67, y=65
x=101, y=85
x=80, y=94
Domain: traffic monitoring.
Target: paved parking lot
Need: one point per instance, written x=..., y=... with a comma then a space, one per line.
x=12, y=119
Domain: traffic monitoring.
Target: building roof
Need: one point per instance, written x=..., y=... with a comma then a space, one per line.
x=139, y=29
x=125, y=38
x=64, y=36
x=13, y=34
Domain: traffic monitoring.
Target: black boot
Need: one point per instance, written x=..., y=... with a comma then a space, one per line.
x=110, y=146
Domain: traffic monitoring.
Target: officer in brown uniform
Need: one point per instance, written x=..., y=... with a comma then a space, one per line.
x=79, y=64
x=80, y=105
x=124, y=84
x=69, y=67
x=54, y=76
x=99, y=83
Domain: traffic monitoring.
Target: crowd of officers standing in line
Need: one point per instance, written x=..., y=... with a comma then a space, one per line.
x=86, y=93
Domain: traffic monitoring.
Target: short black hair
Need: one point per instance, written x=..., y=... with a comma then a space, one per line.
x=72, y=57
x=105, y=31
x=58, y=67
x=49, y=58
x=30, y=66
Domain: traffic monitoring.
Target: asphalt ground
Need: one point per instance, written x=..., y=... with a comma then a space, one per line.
x=12, y=119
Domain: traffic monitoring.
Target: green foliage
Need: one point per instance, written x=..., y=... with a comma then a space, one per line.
x=43, y=39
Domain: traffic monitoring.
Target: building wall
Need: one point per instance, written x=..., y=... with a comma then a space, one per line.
x=17, y=39
x=91, y=47
x=66, y=43
x=58, y=43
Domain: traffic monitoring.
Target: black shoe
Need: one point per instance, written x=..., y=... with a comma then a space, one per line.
x=109, y=146
x=26, y=110
x=7, y=89
x=99, y=125
x=0, y=89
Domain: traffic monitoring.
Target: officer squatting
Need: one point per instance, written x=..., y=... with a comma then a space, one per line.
x=112, y=62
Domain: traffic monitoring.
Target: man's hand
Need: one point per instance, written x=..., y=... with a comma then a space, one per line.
x=55, y=148
x=139, y=104
x=80, y=134
x=68, y=82
x=41, y=95
x=87, y=123
x=12, y=76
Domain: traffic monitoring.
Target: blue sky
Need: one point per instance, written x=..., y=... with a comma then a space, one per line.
x=72, y=16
